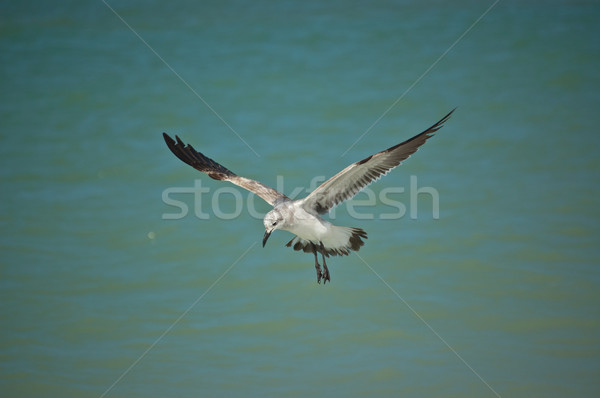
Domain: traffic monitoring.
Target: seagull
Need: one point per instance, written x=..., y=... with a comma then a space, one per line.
x=303, y=217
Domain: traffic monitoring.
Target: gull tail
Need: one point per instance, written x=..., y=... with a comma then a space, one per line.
x=339, y=242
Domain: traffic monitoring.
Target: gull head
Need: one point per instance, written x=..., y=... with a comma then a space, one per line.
x=273, y=220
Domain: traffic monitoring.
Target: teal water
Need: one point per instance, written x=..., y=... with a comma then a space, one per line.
x=104, y=296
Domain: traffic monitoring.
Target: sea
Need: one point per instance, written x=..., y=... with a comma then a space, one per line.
x=126, y=273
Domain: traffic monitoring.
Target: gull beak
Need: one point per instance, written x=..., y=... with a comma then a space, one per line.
x=267, y=234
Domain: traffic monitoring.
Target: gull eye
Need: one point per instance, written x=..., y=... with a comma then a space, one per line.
x=275, y=223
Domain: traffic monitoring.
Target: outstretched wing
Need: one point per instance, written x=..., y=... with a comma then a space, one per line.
x=348, y=182
x=189, y=155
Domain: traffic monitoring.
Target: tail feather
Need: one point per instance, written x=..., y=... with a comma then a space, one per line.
x=339, y=243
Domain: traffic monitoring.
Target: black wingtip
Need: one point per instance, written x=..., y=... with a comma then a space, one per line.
x=447, y=116
x=431, y=130
x=170, y=141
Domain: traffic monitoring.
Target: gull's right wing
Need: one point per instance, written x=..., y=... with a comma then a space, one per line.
x=217, y=172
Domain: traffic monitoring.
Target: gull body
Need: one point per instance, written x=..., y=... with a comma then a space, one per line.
x=290, y=216
x=312, y=233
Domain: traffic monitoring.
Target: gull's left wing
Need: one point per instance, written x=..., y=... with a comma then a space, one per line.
x=348, y=182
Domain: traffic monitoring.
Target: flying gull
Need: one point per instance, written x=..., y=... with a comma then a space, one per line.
x=313, y=234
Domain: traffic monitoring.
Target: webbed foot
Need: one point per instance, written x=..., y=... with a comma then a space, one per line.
x=319, y=273
x=325, y=275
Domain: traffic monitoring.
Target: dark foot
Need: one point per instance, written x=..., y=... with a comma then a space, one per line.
x=319, y=273
x=326, y=277
x=325, y=270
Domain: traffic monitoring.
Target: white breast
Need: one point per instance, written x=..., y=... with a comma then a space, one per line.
x=306, y=225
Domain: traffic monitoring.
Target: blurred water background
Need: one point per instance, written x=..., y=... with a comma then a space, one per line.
x=102, y=294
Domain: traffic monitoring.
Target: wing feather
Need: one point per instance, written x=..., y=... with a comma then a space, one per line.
x=348, y=182
x=197, y=160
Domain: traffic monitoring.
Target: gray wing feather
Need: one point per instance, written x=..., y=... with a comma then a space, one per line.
x=197, y=160
x=348, y=182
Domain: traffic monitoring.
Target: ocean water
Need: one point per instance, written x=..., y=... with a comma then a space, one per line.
x=125, y=272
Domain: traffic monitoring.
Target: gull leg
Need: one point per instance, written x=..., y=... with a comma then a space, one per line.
x=326, y=277
x=317, y=266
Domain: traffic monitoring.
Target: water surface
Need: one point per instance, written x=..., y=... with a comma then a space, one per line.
x=95, y=280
